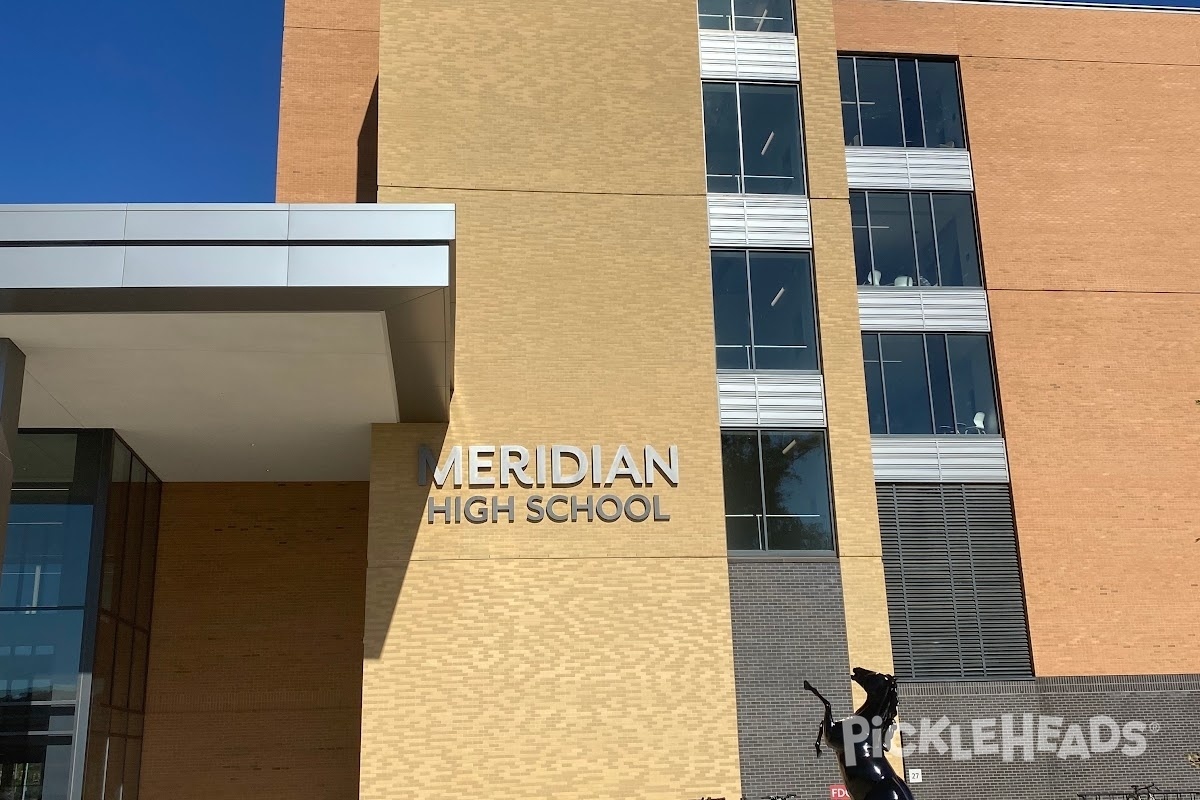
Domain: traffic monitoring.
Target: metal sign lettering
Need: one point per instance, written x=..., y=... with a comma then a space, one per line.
x=556, y=466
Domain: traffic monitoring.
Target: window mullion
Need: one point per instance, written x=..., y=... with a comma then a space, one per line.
x=937, y=250
x=912, y=226
x=862, y=137
x=737, y=93
x=920, y=104
x=762, y=491
x=929, y=385
x=950, y=372
x=751, y=357
x=900, y=103
x=871, y=248
x=887, y=421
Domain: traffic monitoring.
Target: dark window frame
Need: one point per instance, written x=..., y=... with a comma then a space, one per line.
x=814, y=307
x=765, y=552
x=968, y=430
x=733, y=17
x=937, y=250
x=802, y=171
x=918, y=58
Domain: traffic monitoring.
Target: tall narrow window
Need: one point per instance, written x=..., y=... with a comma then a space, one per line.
x=777, y=490
x=752, y=138
x=765, y=16
x=915, y=239
x=932, y=383
x=78, y=564
x=764, y=311
x=900, y=102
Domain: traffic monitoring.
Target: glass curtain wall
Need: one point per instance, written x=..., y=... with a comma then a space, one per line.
x=932, y=383
x=84, y=515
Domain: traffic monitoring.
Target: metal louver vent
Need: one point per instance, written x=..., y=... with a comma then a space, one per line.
x=953, y=582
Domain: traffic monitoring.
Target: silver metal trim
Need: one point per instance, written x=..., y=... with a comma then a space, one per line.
x=759, y=220
x=909, y=168
x=762, y=398
x=940, y=459
x=932, y=309
x=747, y=55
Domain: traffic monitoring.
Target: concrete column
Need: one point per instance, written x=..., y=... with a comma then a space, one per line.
x=12, y=376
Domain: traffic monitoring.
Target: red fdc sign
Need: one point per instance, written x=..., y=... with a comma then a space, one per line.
x=838, y=792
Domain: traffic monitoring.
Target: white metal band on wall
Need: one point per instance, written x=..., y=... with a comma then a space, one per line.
x=758, y=220
x=932, y=309
x=940, y=459
x=919, y=169
x=726, y=55
x=772, y=398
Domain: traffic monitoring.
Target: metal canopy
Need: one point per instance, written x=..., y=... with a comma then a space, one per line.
x=232, y=342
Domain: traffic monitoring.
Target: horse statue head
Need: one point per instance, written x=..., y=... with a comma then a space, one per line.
x=860, y=741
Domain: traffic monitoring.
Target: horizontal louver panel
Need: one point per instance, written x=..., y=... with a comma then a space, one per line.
x=929, y=169
x=933, y=309
x=725, y=55
x=772, y=398
x=758, y=220
x=941, y=459
x=954, y=594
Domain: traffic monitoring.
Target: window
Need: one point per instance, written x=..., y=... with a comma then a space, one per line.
x=955, y=602
x=915, y=239
x=62, y=562
x=900, y=102
x=776, y=490
x=768, y=16
x=931, y=383
x=752, y=138
x=763, y=304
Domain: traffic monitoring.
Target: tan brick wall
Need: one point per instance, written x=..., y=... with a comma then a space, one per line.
x=1084, y=171
x=254, y=687
x=327, y=129
x=859, y=547
x=555, y=660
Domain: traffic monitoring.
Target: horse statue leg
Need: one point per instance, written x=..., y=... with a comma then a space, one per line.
x=827, y=722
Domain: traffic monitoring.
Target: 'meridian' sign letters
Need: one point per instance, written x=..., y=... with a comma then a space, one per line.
x=549, y=467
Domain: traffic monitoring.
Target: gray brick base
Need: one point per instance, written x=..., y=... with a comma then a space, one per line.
x=788, y=626
x=1173, y=702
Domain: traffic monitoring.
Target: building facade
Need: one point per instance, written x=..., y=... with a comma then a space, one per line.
x=650, y=362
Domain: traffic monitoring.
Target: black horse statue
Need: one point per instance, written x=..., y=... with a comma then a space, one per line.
x=867, y=773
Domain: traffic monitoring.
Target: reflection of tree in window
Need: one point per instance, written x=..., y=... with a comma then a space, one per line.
x=796, y=490
x=743, y=489
x=789, y=508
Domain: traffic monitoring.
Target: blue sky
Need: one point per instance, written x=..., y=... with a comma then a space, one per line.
x=139, y=100
x=146, y=100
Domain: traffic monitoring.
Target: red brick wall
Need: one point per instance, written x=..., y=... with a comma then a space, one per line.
x=327, y=124
x=255, y=677
x=1080, y=131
